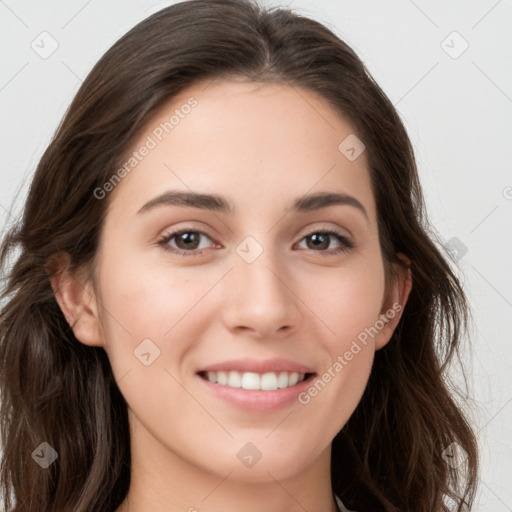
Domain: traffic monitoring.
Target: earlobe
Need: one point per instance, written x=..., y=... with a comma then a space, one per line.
x=394, y=304
x=77, y=301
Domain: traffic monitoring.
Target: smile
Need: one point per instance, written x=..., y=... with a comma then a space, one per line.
x=256, y=392
x=269, y=381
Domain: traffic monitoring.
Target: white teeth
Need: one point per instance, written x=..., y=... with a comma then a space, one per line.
x=234, y=380
x=269, y=381
x=293, y=379
x=251, y=380
x=282, y=380
x=255, y=381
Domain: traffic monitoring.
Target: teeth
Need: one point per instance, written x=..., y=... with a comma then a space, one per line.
x=222, y=377
x=249, y=380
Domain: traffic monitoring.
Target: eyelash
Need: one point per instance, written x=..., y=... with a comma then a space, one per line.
x=346, y=246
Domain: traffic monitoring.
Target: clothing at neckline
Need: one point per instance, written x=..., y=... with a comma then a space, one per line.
x=340, y=505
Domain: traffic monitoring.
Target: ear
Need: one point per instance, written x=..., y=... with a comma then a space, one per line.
x=394, y=303
x=76, y=297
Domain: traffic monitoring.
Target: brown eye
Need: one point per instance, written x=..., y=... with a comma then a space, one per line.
x=320, y=241
x=186, y=240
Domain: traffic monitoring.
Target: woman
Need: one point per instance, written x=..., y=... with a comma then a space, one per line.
x=180, y=333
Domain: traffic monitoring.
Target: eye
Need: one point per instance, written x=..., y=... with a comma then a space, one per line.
x=321, y=238
x=188, y=241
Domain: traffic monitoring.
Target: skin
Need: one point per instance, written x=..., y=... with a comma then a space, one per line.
x=212, y=307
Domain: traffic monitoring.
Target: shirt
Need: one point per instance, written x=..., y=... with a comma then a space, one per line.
x=342, y=507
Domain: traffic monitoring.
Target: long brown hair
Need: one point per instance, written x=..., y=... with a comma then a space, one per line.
x=390, y=456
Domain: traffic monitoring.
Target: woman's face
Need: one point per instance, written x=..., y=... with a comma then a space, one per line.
x=253, y=290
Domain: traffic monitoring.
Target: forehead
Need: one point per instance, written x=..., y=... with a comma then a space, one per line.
x=247, y=141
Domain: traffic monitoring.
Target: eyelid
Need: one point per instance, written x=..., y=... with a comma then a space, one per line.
x=326, y=228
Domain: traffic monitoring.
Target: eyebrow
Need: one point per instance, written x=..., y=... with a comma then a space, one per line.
x=216, y=203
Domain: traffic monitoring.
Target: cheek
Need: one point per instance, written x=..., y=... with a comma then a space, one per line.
x=139, y=303
x=349, y=307
x=350, y=313
x=350, y=303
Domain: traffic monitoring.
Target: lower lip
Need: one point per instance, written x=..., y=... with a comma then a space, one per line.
x=257, y=400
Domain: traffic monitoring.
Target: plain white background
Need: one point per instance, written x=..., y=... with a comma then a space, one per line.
x=452, y=90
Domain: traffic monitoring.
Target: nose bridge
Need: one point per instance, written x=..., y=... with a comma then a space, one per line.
x=259, y=297
x=258, y=268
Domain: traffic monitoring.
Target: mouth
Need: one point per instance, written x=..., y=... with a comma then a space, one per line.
x=256, y=392
x=256, y=385
x=252, y=381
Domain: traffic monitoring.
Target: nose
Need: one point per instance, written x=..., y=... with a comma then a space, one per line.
x=260, y=299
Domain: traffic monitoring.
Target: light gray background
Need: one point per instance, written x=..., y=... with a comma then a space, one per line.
x=457, y=111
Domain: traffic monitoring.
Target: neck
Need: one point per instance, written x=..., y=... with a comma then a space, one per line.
x=163, y=481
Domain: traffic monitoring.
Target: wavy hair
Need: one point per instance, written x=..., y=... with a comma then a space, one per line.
x=390, y=455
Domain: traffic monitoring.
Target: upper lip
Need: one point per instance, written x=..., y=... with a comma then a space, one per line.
x=258, y=366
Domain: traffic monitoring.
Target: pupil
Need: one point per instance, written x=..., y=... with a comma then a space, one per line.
x=188, y=238
x=316, y=238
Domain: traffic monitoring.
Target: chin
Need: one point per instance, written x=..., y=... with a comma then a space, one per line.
x=260, y=460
